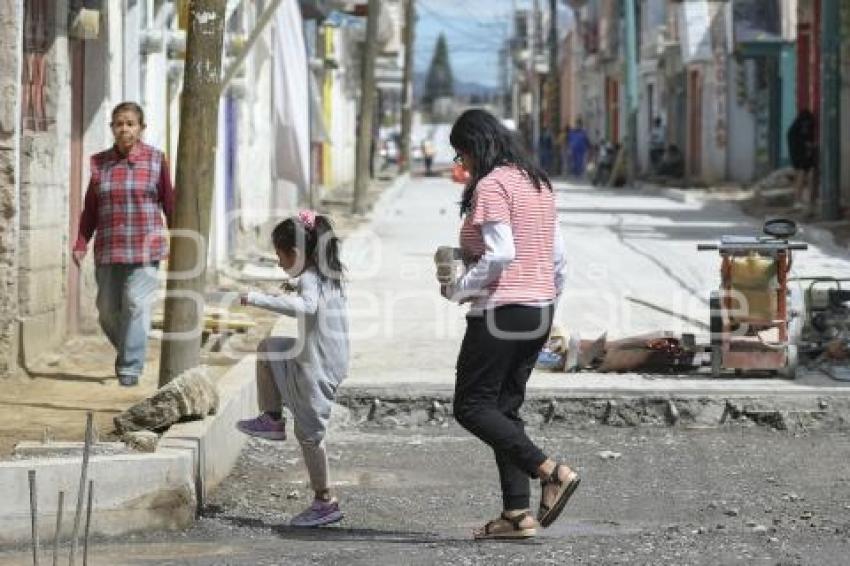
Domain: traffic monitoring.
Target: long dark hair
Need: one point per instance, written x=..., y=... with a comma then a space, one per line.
x=483, y=139
x=318, y=243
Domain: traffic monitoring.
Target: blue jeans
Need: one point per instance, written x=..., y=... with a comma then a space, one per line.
x=125, y=295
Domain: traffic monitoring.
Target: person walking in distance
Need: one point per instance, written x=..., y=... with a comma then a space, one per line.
x=512, y=247
x=303, y=373
x=803, y=150
x=130, y=188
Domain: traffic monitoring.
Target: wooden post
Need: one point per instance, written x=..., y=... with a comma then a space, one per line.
x=407, y=86
x=34, y=517
x=181, y=344
x=82, y=490
x=60, y=507
x=367, y=109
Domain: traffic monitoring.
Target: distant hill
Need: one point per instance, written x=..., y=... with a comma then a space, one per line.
x=461, y=88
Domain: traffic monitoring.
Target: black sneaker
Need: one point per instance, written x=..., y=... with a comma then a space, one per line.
x=128, y=380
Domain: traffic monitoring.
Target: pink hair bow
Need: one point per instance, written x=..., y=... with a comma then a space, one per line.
x=307, y=218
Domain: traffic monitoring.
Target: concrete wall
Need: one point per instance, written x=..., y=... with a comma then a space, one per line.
x=714, y=139
x=44, y=240
x=9, y=49
x=648, y=77
x=742, y=133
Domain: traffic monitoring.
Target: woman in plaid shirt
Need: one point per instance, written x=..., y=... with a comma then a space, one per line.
x=130, y=188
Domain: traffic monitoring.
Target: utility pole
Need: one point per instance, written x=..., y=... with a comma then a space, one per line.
x=407, y=86
x=195, y=178
x=367, y=108
x=631, y=88
x=532, y=77
x=554, y=85
x=830, y=114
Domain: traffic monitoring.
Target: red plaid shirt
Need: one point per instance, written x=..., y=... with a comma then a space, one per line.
x=123, y=204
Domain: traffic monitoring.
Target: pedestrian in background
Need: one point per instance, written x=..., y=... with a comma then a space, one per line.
x=428, y=156
x=546, y=150
x=512, y=248
x=579, y=145
x=304, y=373
x=803, y=150
x=130, y=188
x=657, y=144
x=564, y=143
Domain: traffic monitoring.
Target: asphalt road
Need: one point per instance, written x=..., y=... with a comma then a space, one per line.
x=735, y=495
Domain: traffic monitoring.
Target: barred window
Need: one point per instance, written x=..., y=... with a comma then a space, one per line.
x=38, y=37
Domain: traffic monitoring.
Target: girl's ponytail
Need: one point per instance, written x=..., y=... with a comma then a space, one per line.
x=326, y=256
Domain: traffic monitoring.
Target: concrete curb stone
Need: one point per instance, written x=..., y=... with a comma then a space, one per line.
x=137, y=492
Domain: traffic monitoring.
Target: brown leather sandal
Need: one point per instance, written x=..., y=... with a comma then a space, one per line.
x=547, y=515
x=506, y=528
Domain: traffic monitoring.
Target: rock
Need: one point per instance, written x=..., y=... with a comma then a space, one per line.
x=731, y=512
x=293, y=494
x=760, y=529
x=806, y=515
x=190, y=396
x=773, y=540
x=823, y=404
x=141, y=440
x=751, y=524
x=608, y=455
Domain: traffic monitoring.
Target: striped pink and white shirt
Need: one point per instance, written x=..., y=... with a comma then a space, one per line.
x=507, y=197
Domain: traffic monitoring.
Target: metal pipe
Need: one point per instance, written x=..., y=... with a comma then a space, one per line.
x=60, y=506
x=88, y=525
x=82, y=490
x=36, y=550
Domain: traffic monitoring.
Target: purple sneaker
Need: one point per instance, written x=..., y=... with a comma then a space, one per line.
x=318, y=514
x=263, y=426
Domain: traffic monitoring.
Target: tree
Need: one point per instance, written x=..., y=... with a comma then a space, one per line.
x=440, y=82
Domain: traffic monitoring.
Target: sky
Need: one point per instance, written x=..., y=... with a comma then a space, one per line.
x=474, y=30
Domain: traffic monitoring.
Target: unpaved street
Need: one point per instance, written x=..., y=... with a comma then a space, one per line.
x=736, y=495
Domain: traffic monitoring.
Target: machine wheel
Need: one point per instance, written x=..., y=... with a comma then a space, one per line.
x=716, y=328
x=790, y=369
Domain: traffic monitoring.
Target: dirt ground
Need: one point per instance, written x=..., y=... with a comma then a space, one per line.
x=52, y=402
x=740, y=495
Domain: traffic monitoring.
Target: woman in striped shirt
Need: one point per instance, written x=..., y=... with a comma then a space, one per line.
x=514, y=257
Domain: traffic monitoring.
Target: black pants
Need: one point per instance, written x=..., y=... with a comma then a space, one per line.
x=499, y=351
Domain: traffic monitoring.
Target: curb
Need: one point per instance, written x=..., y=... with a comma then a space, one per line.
x=136, y=492
x=373, y=407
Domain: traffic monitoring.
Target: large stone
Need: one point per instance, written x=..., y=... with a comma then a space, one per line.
x=190, y=396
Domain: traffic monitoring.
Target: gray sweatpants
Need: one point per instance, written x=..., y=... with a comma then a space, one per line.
x=281, y=381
